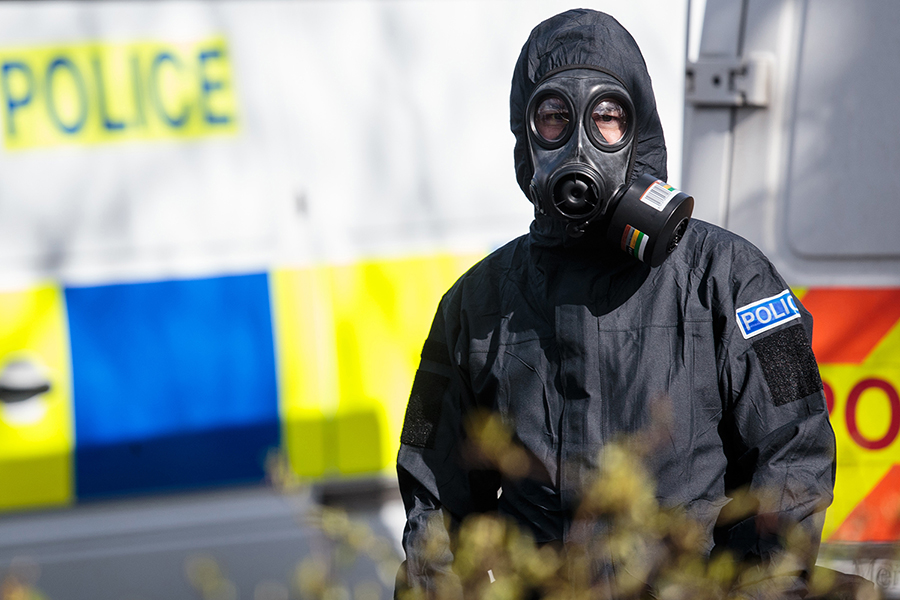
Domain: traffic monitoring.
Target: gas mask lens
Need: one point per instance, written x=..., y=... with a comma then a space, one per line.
x=610, y=120
x=551, y=119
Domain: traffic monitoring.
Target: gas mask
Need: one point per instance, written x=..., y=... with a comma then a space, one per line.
x=582, y=138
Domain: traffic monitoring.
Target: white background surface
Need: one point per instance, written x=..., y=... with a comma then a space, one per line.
x=367, y=129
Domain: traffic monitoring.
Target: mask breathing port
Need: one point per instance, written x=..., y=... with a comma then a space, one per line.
x=577, y=193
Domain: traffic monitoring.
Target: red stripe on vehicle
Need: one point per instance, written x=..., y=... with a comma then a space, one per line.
x=850, y=322
x=877, y=517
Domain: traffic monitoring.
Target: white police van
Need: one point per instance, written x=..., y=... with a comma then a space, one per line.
x=224, y=230
x=790, y=140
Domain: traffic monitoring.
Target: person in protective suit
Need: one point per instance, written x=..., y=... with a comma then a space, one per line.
x=613, y=303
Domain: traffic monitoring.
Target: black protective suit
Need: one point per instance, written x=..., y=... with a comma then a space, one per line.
x=572, y=342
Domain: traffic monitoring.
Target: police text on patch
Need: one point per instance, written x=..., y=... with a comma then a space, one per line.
x=766, y=314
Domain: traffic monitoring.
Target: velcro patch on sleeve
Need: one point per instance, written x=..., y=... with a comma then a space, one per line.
x=788, y=364
x=424, y=409
x=436, y=351
x=766, y=314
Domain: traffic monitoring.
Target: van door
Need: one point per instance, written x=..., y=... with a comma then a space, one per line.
x=791, y=134
x=791, y=141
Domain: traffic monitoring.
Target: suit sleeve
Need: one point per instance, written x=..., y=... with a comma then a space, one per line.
x=775, y=429
x=437, y=487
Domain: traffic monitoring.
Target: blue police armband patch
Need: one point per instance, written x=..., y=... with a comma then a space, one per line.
x=767, y=314
x=424, y=409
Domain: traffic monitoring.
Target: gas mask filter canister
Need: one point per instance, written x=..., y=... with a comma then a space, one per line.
x=649, y=219
x=582, y=138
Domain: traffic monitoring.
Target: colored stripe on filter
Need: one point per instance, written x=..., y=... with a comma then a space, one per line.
x=634, y=242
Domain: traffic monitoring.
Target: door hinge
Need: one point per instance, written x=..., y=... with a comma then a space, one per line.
x=729, y=81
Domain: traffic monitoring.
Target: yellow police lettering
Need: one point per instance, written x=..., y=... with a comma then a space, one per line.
x=18, y=90
x=68, y=108
x=97, y=93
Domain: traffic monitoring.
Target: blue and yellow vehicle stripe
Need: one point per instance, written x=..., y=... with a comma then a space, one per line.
x=36, y=467
x=348, y=339
x=164, y=385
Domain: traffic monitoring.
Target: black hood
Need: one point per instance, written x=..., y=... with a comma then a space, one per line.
x=589, y=38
